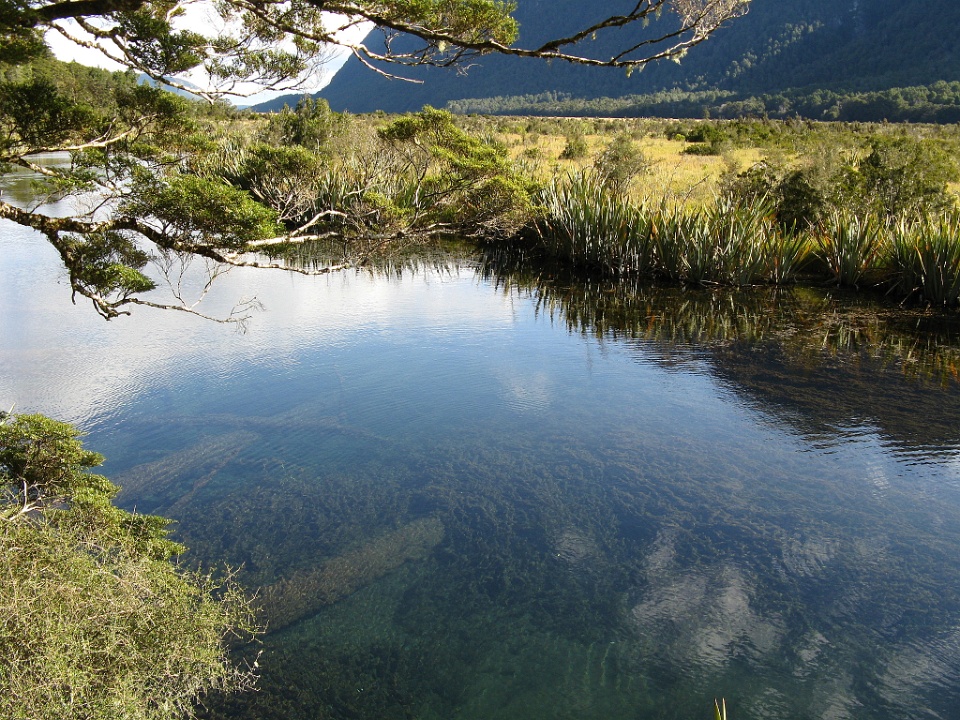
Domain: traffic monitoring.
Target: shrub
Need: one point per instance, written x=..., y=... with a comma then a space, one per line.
x=95, y=622
x=796, y=202
x=311, y=124
x=576, y=148
x=905, y=175
x=620, y=163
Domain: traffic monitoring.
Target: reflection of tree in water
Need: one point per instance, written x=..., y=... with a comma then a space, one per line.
x=392, y=256
x=814, y=356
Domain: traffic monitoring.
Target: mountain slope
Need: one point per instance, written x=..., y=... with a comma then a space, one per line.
x=780, y=44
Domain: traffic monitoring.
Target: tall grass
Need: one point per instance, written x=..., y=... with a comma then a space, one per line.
x=925, y=259
x=741, y=244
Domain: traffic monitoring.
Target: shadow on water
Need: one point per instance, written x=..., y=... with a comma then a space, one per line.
x=822, y=359
x=754, y=497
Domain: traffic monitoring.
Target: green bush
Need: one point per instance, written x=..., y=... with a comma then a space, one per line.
x=575, y=149
x=796, y=203
x=904, y=175
x=620, y=163
x=95, y=621
x=311, y=125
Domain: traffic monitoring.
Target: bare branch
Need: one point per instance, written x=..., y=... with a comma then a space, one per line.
x=698, y=19
x=443, y=46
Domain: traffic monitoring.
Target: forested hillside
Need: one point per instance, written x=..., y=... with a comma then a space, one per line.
x=94, y=90
x=840, y=45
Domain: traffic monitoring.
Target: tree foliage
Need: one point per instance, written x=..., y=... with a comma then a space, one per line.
x=155, y=37
x=458, y=181
x=890, y=177
x=95, y=620
x=140, y=157
x=938, y=102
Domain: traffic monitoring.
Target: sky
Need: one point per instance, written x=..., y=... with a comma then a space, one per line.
x=68, y=51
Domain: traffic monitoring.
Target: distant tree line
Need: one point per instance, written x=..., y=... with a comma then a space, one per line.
x=936, y=103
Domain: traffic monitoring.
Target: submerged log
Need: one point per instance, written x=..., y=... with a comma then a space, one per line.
x=305, y=593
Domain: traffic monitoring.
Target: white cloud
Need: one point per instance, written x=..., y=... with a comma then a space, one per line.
x=200, y=17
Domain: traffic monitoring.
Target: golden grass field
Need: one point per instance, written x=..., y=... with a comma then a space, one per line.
x=675, y=174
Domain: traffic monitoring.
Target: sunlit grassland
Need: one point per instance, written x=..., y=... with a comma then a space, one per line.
x=673, y=174
x=745, y=202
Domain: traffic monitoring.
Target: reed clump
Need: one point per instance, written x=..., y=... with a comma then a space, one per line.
x=584, y=223
x=743, y=243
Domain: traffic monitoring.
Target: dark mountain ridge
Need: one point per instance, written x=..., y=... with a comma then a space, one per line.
x=848, y=45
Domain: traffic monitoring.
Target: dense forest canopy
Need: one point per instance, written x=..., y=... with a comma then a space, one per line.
x=936, y=103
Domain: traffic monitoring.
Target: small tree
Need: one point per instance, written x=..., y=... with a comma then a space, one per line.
x=312, y=125
x=95, y=621
x=620, y=163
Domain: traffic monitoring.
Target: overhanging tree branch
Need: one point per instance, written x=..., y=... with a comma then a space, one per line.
x=139, y=158
x=449, y=36
x=85, y=8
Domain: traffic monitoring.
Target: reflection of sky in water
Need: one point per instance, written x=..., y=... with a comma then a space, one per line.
x=621, y=538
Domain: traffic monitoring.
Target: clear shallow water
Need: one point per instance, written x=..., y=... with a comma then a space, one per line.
x=470, y=495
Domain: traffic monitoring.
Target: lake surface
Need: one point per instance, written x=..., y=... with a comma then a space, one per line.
x=483, y=493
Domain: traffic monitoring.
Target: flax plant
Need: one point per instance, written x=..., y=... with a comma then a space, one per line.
x=852, y=246
x=725, y=244
x=786, y=251
x=585, y=223
x=739, y=237
x=925, y=259
x=673, y=229
x=720, y=709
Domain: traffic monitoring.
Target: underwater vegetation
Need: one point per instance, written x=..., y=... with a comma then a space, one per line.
x=633, y=546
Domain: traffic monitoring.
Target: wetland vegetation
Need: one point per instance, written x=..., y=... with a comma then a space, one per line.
x=734, y=203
